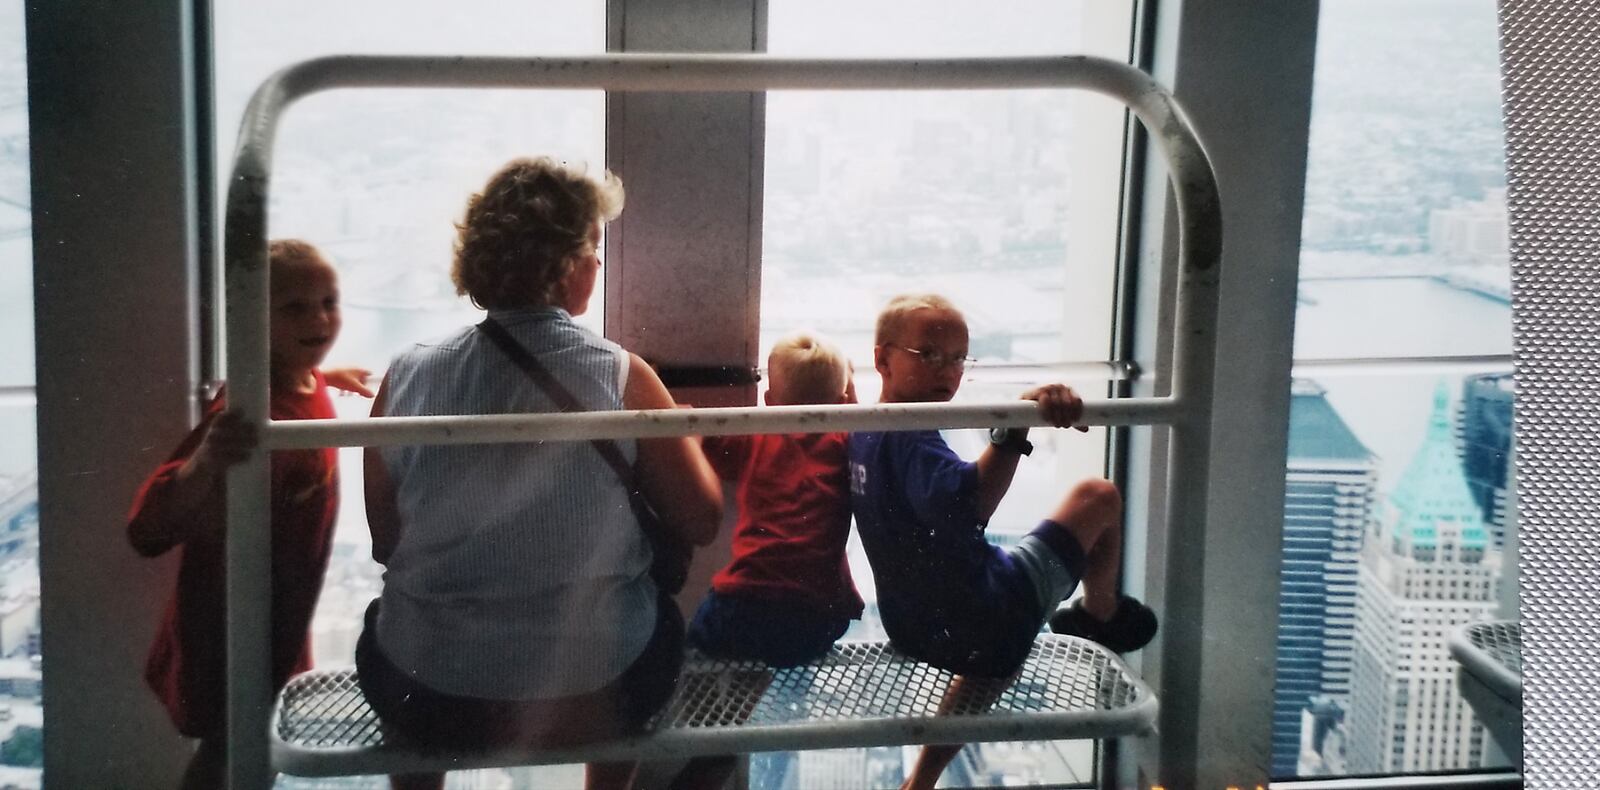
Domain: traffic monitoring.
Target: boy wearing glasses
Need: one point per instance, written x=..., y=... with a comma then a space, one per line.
x=947, y=596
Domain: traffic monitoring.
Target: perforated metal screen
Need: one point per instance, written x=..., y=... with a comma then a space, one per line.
x=861, y=693
x=1551, y=58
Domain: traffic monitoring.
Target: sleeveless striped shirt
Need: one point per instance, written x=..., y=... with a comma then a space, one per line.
x=521, y=572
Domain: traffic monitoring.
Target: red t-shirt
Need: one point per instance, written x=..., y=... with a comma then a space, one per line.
x=186, y=667
x=794, y=518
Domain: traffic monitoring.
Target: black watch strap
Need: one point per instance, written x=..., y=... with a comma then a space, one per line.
x=1014, y=440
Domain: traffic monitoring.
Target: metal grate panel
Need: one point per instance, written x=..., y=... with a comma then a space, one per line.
x=1491, y=652
x=1550, y=56
x=861, y=693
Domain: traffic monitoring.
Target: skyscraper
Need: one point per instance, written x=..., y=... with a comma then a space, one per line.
x=1330, y=483
x=1427, y=573
x=1485, y=437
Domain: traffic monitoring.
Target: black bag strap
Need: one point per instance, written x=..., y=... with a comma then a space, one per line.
x=564, y=400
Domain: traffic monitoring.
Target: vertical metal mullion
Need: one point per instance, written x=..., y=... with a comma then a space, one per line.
x=209, y=312
x=1213, y=662
x=110, y=142
x=1118, y=458
x=1130, y=244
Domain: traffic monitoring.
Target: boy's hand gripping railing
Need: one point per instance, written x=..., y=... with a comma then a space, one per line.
x=1187, y=410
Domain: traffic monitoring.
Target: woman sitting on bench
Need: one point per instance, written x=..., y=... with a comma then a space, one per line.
x=519, y=607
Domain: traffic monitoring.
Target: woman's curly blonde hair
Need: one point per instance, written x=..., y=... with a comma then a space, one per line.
x=524, y=231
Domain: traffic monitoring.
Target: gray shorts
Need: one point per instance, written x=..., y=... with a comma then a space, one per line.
x=1054, y=562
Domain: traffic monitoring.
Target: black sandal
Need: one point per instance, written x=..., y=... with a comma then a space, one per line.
x=1132, y=627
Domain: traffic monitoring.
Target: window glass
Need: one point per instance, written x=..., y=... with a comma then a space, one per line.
x=16, y=212
x=1398, y=524
x=1004, y=202
x=376, y=178
x=21, y=706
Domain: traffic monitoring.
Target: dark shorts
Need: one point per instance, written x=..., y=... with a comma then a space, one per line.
x=422, y=716
x=1053, y=562
x=991, y=631
x=778, y=633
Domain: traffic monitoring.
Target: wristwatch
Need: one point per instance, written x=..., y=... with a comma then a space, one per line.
x=1013, y=440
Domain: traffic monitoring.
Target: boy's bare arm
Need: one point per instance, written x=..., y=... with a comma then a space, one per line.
x=673, y=472
x=996, y=468
x=383, y=515
x=1059, y=406
x=191, y=503
x=352, y=380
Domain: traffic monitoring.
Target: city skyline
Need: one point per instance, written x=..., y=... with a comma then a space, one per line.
x=1373, y=586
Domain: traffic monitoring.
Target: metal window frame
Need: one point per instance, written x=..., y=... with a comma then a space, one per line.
x=111, y=116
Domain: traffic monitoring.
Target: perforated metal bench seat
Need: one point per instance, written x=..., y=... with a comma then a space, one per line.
x=1491, y=651
x=861, y=694
x=1490, y=678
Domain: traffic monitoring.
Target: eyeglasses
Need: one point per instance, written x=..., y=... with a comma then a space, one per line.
x=937, y=360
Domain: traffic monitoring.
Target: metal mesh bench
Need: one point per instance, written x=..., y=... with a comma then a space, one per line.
x=1490, y=678
x=860, y=694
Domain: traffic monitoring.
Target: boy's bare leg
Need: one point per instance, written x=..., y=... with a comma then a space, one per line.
x=609, y=776
x=979, y=694
x=930, y=765
x=1092, y=513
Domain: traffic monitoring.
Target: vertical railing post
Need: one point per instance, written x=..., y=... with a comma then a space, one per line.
x=249, y=515
x=1188, y=472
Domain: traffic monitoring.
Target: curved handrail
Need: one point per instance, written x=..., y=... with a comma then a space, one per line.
x=1187, y=409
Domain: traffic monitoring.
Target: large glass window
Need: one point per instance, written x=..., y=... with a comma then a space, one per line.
x=21, y=711
x=376, y=178
x=1397, y=520
x=1004, y=202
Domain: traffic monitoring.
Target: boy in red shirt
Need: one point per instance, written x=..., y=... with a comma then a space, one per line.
x=182, y=505
x=787, y=595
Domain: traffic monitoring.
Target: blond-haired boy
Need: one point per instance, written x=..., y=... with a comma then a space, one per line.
x=947, y=596
x=787, y=595
x=180, y=506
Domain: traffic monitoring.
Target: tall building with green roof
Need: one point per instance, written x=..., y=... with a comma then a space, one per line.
x=1431, y=570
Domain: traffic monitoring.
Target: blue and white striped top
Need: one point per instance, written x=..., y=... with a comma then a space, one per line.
x=521, y=572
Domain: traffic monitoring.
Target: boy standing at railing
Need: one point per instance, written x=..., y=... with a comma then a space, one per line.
x=946, y=595
x=182, y=504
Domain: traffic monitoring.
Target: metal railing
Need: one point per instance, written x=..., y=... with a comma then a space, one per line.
x=1186, y=409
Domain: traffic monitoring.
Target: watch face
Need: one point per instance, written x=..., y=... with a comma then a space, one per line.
x=1011, y=439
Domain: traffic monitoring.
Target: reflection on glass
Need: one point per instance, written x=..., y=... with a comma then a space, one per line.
x=17, y=454
x=872, y=195
x=1405, y=178
x=21, y=705
x=376, y=178
x=1397, y=522
x=971, y=194
x=16, y=216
